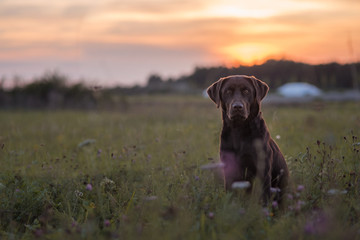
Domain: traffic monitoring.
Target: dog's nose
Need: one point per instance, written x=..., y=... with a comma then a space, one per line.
x=237, y=106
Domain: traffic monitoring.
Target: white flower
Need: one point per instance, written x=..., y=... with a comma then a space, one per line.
x=78, y=194
x=240, y=185
x=336, y=192
x=212, y=166
x=86, y=142
x=150, y=198
x=106, y=181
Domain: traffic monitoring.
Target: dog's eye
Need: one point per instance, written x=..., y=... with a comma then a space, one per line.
x=228, y=92
x=245, y=91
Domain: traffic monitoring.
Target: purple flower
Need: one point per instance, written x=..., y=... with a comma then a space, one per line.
x=266, y=212
x=300, y=188
x=211, y=215
x=275, y=204
x=107, y=222
x=99, y=152
x=309, y=228
x=89, y=187
x=318, y=224
x=275, y=190
x=299, y=205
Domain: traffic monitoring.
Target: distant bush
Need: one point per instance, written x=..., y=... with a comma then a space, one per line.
x=53, y=91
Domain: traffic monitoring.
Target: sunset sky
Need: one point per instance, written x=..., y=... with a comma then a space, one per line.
x=122, y=42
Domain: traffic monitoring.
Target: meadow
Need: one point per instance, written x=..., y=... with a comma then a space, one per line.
x=136, y=173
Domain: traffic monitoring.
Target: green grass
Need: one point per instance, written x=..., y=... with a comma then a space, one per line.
x=146, y=180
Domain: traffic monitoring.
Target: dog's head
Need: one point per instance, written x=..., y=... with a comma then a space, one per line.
x=239, y=96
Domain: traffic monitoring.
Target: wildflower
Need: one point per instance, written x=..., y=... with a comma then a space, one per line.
x=196, y=178
x=318, y=224
x=275, y=190
x=290, y=196
x=212, y=166
x=150, y=198
x=275, y=204
x=266, y=212
x=107, y=183
x=211, y=215
x=309, y=228
x=300, y=188
x=336, y=192
x=240, y=185
x=89, y=187
x=99, y=152
x=278, y=137
x=107, y=223
x=299, y=204
x=86, y=142
x=78, y=194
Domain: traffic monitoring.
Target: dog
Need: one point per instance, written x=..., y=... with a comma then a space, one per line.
x=247, y=150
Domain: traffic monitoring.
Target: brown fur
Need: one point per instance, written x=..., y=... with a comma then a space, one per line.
x=246, y=148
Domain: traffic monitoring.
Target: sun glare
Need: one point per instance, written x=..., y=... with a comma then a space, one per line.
x=248, y=53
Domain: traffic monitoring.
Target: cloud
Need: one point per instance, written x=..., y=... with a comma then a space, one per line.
x=158, y=6
x=22, y=11
x=76, y=11
x=196, y=32
x=43, y=10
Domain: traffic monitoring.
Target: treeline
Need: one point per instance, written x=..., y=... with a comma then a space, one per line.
x=53, y=91
x=332, y=76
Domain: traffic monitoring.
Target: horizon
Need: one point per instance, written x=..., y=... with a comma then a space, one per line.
x=21, y=82
x=122, y=43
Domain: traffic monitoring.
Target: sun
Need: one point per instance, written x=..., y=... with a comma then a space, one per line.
x=248, y=53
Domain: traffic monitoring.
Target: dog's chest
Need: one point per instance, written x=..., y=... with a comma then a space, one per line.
x=241, y=147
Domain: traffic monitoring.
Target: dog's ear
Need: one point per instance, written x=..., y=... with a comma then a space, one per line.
x=261, y=88
x=214, y=92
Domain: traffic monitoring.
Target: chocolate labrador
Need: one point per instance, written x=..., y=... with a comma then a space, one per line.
x=246, y=148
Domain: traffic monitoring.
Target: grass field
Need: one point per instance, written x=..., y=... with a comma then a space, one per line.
x=135, y=173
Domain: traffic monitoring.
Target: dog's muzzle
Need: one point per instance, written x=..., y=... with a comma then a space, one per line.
x=237, y=111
